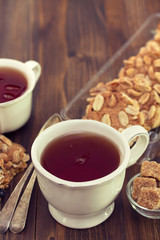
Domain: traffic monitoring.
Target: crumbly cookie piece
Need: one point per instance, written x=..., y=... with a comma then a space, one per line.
x=134, y=97
x=149, y=197
x=140, y=182
x=150, y=169
x=13, y=160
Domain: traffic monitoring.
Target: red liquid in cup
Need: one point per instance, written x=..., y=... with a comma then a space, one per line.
x=12, y=84
x=80, y=157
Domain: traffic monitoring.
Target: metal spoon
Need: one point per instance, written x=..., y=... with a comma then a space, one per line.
x=18, y=221
x=8, y=209
x=20, y=215
x=17, y=224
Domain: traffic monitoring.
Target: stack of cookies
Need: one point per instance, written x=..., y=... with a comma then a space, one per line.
x=134, y=97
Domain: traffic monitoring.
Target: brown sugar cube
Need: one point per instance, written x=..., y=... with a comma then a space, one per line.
x=149, y=198
x=150, y=169
x=140, y=182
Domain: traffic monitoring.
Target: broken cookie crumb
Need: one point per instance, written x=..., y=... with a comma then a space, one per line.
x=13, y=160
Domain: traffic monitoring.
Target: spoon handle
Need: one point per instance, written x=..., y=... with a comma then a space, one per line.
x=19, y=219
x=8, y=209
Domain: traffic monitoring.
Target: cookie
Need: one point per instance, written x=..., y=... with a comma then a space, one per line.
x=134, y=97
x=13, y=160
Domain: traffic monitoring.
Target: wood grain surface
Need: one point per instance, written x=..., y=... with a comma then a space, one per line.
x=71, y=39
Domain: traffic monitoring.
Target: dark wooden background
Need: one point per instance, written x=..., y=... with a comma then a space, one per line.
x=71, y=39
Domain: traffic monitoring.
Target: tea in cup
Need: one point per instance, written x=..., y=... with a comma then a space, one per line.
x=83, y=157
x=17, y=81
x=81, y=167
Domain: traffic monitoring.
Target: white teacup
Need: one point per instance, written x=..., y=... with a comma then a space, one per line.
x=15, y=113
x=86, y=204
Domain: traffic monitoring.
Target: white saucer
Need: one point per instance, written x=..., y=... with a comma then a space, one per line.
x=81, y=221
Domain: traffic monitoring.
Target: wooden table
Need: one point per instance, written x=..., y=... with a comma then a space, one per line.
x=71, y=40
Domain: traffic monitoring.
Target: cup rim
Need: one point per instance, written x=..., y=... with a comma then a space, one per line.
x=7, y=62
x=67, y=183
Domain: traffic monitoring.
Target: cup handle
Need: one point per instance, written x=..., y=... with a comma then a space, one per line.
x=35, y=67
x=141, y=143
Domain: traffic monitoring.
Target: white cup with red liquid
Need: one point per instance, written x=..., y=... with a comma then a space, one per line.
x=75, y=199
x=17, y=82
